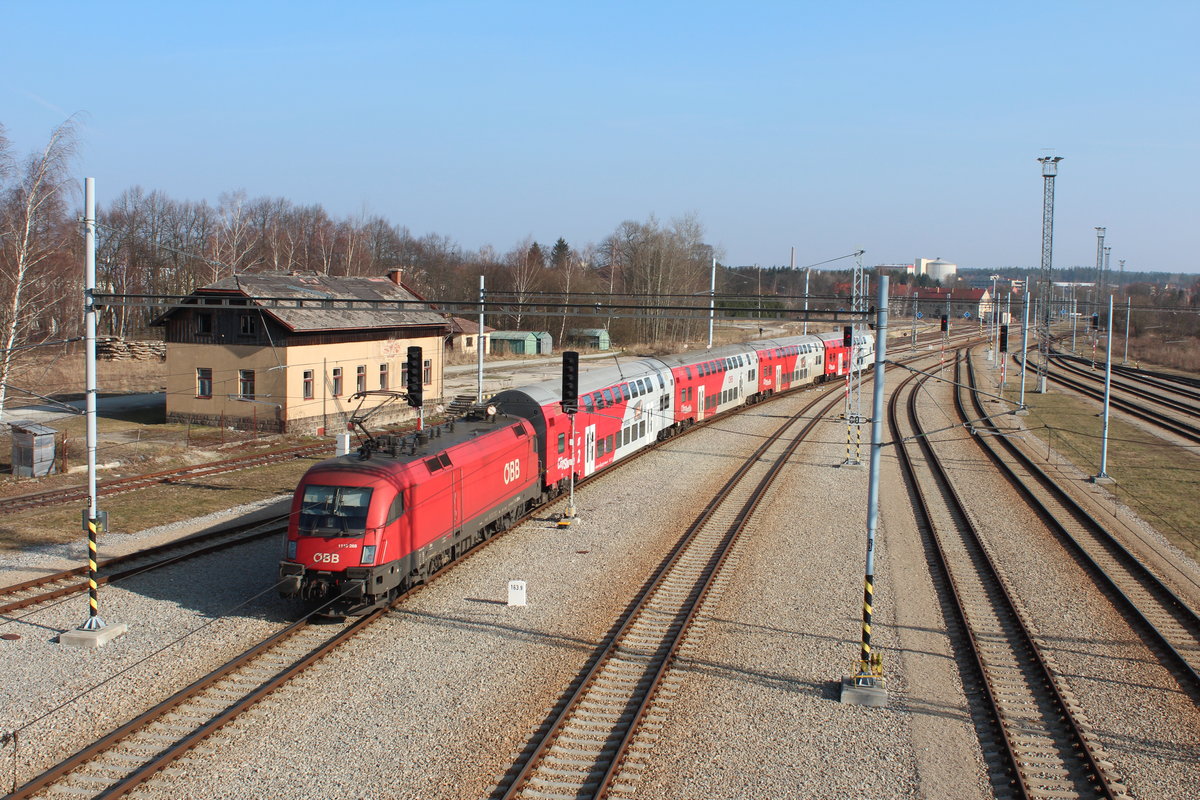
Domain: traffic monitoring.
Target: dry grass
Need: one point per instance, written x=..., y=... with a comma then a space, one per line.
x=158, y=505
x=1160, y=482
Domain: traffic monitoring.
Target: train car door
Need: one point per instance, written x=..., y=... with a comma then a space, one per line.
x=589, y=449
x=700, y=403
x=778, y=375
x=839, y=366
x=456, y=501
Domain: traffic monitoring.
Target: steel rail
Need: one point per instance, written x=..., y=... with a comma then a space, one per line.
x=1178, y=427
x=1047, y=750
x=116, y=485
x=117, y=568
x=1134, y=588
x=687, y=575
x=1076, y=368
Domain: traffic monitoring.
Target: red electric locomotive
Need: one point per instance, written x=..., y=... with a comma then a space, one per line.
x=367, y=525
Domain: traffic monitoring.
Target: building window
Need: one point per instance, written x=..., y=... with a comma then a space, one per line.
x=204, y=382
x=308, y=384
x=470, y=340
x=360, y=378
x=337, y=382
x=246, y=384
x=249, y=326
x=383, y=376
x=204, y=323
x=427, y=372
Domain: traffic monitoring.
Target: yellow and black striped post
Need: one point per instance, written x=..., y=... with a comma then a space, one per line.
x=868, y=609
x=94, y=622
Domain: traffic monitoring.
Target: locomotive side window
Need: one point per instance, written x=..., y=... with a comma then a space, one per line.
x=562, y=443
x=395, y=510
x=334, y=510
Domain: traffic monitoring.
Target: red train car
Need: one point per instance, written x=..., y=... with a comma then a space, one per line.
x=367, y=525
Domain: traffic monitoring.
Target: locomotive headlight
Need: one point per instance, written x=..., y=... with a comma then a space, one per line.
x=291, y=550
x=368, y=554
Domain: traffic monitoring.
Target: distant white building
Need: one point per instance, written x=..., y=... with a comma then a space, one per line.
x=935, y=268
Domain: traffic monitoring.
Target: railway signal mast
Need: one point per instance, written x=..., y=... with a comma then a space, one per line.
x=1049, y=172
x=570, y=406
x=853, y=412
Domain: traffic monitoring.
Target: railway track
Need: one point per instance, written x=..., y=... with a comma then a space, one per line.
x=1180, y=385
x=1178, y=427
x=123, y=760
x=55, y=586
x=1077, y=368
x=117, y=485
x=1047, y=751
x=599, y=734
x=131, y=755
x=1166, y=623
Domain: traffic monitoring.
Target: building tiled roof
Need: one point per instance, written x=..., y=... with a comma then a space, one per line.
x=326, y=287
x=469, y=326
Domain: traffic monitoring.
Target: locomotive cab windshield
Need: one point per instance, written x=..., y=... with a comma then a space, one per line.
x=334, y=511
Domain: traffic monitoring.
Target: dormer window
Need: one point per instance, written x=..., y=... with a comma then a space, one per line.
x=249, y=325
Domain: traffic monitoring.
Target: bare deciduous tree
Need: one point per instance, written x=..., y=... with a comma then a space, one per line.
x=33, y=233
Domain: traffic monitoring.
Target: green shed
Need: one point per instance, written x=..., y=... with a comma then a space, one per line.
x=517, y=343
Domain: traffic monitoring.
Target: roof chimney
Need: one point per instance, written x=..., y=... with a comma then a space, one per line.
x=395, y=276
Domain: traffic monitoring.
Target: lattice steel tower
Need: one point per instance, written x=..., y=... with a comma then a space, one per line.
x=1049, y=171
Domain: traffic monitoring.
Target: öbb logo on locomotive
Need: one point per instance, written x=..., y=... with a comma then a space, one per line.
x=366, y=526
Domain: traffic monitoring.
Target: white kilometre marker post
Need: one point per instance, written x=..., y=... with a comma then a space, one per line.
x=516, y=593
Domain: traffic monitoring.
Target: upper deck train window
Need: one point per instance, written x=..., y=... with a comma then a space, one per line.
x=625, y=390
x=661, y=385
x=587, y=403
x=599, y=398
x=608, y=397
x=687, y=371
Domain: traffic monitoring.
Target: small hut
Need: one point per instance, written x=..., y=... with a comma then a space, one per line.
x=517, y=343
x=595, y=338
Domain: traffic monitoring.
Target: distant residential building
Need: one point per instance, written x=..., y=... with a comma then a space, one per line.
x=248, y=364
x=465, y=336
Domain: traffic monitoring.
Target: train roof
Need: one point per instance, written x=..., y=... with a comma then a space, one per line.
x=403, y=448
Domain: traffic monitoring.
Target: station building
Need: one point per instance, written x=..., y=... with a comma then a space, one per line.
x=236, y=361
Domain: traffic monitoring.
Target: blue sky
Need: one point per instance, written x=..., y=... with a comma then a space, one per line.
x=906, y=129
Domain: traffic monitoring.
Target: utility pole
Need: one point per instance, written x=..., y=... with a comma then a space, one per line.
x=1049, y=172
x=479, y=345
x=868, y=687
x=1099, y=270
x=1101, y=475
x=712, y=301
x=1105, y=275
x=94, y=632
